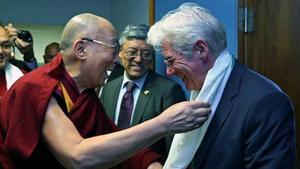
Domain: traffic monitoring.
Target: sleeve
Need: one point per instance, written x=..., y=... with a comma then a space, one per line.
x=20, y=123
x=141, y=160
x=24, y=119
x=270, y=134
x=29, y=60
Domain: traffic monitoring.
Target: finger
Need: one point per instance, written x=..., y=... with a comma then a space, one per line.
x=202, y=119
x=203, y=111
x=196, y=125
x=12, y=33
x=9, y=27
x=199, y=103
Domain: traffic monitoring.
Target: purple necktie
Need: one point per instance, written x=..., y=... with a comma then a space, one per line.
x=126, y=106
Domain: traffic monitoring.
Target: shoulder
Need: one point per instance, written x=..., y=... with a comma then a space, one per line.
x=113, y=82
x=261, y=95
x=250, y=83
x=20, y=64
x=34, y=82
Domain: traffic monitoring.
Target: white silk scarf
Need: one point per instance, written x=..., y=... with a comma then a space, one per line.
x=185, y=145
x=12, y=74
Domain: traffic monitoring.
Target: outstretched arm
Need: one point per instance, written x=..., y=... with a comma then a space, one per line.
x=106, y=151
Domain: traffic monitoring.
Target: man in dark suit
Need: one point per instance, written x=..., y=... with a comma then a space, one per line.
x=252, y=121
x=152, y=94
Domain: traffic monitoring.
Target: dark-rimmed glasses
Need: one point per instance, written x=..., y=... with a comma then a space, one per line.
x=146, y=54
x=115, y=46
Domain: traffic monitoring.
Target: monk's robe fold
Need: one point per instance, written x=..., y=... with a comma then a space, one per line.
x=21, y=124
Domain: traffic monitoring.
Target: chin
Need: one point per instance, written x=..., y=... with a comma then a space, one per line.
x=136, y=75
x=2, y=65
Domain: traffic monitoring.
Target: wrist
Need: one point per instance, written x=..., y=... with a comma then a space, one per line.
x=29, y=56
x=162, y=125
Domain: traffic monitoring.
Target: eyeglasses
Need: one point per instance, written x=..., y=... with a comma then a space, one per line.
x=6, y=45
x=146, y=54
x=115, y=46
x=169, y=62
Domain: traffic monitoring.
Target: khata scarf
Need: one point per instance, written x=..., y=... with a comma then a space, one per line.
x=12, y=74
x=185, y=145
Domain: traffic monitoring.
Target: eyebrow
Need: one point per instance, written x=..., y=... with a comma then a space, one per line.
x=167, y=57
x=6, y=41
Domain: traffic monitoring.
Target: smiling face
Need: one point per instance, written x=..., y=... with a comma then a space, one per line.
x=191, y=70
x=5, y=48
x=100, y=56
x=136, y=56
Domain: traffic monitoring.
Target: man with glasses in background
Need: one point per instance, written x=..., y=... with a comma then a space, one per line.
x=63, y=124
x=152, y=93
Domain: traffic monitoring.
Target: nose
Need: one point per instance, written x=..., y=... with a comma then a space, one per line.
x=170, y=71
x=138, y=58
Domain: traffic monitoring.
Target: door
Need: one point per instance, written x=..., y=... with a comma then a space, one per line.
x=272, y=47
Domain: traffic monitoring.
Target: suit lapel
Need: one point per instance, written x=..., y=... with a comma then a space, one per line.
x=222, y=112
x=143, y=99
x=114, y=87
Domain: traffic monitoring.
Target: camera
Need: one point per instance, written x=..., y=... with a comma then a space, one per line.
x=25, y=35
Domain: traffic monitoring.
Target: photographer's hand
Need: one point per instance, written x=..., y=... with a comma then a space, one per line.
x=23, y=46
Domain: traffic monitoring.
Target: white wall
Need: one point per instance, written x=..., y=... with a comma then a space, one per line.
x=50, y=12
x=45, y=19
x=126, y=12
x=42, y=36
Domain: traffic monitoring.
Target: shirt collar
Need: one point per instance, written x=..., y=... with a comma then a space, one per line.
x=139, y=82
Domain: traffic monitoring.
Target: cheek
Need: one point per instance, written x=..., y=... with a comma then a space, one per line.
x=125, y=63
x=182, y=70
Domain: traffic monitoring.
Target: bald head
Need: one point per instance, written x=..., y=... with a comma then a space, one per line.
x=84, y=25
x=88, y=45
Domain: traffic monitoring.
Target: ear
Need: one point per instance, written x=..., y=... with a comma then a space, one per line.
x=79, y=47
x=201, y=49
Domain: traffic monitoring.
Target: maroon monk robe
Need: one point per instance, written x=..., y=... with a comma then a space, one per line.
x=3, y=87
x=21, y=124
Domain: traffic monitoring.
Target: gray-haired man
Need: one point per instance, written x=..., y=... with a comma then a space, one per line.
x=152, y=94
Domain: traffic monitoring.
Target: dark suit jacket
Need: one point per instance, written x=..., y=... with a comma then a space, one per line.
x=253, y=126
x=162, y=93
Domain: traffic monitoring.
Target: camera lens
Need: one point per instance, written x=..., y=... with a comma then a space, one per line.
x=25, y=35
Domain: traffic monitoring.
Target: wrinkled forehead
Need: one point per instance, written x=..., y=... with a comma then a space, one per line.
x=3, y=35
